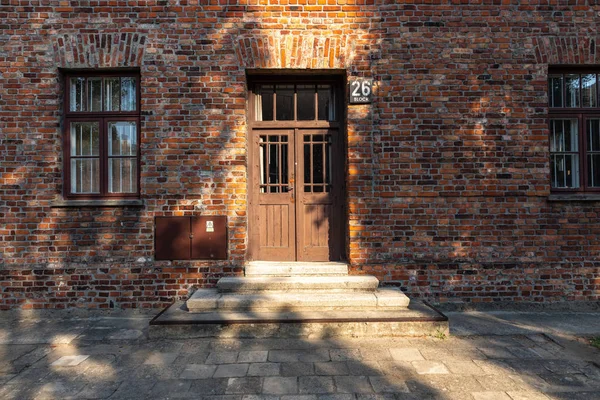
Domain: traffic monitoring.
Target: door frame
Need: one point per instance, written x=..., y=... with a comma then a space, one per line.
x=337, y=78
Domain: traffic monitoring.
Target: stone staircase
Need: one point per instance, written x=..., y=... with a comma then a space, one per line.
x=297, y=288
x=285, y=300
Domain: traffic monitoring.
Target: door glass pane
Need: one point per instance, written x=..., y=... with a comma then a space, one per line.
x=77, y=95
x=85, y=139
x=85, y=175
x=318, y=155
x=306, y=102
x=326, y=102
x=94, y=93
x=122, y=139
x=128, y=94
x=317, y=163
x=273, y=164
x=307, y=164
x=285, y=102
x=122, y=175
x=264, y=103
x=112, y=94
x=555, y=91
x=572, y=90
x=589, y=89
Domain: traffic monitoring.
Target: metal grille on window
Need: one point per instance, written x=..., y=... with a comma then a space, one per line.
x=274, y=164
x=317, y=163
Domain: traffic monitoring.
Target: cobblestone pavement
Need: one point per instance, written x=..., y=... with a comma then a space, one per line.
x=54, y=356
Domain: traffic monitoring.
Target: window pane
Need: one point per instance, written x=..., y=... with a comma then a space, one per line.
x=122, y=175
x=572, y=90
x=122, y=139
x=563, y=135
x=85, y=175
x=589, y=89
x=564, y=170
x=264, y=103
x=112, y=94
x=285, y=102
x=94, y=93
x=594, y=170
x=593, y=142
x=326, y=101
x=77, y=94
x=85, y=139
x=306, y=102
x=128, y=94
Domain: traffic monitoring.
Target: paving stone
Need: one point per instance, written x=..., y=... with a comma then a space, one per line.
x=375, y=396
x=494, y=367
x=299, y=397
x=297, y=369
x=231, y=370
x=522, y=352
x=339, y=396
x=375, y=354
x=345, y=354
x=490, y=396
x=58, y=389
x=353, y=384
x=244, y=385
x=170, y=388
x=99, y=390
x=496, y=352
x=406, y=354
x=364, y=368
x=161, y=359
x=209, y=387
x=430, y=367
x=386, y=385
x=464, y=368
x=503, y=382
x=69, y=361
x=453, y=383
x=264, y=369
x=401, y=369
x=527, y=395
x=198, y=371
x=283, y=356
x=260, y=397
x=331, y=368
x=280, y=385
x=314, y=356
x=564, y=380
x=222, y=357
x=252, y=356
x=316, y=384
x=436, y=354
x=126, y=334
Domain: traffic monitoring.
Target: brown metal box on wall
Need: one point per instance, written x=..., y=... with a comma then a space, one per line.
x=209, y=238
x=190, y=238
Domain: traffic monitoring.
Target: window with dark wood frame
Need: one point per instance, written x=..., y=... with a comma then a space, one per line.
x=574, y=125
x=101, y=138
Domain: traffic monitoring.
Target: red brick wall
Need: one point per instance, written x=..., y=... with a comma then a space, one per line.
x=448, y=171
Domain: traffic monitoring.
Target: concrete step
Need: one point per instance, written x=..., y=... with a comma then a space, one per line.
x=418, y=319
x=276, y=268
x=212, y=300
x=297, y=283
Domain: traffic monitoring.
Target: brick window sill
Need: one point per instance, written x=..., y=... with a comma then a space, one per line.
x=62, y=203
x=574, y=197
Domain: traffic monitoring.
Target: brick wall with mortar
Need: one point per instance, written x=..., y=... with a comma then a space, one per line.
x=448, y=169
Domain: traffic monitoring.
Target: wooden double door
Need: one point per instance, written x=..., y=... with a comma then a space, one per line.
x=297, y=173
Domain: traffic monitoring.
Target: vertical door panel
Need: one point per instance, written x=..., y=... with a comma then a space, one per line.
x=317, y=152
x=276, y=208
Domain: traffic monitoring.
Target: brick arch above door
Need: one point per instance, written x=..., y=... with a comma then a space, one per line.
x=295, y=51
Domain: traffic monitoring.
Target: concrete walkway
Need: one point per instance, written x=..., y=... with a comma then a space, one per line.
x=489, y=356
